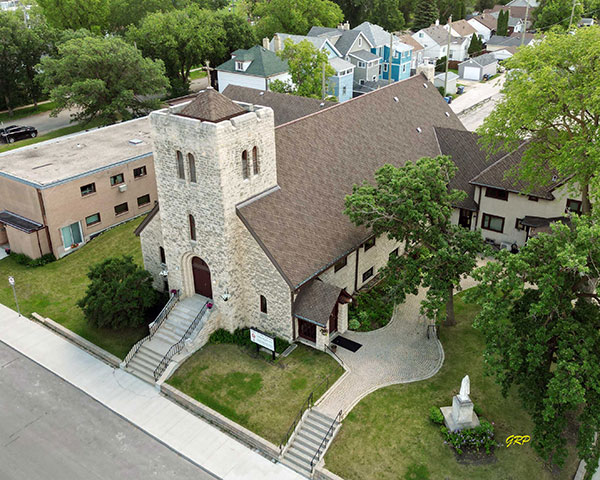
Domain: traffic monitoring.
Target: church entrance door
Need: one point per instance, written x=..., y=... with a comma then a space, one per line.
x=307, y=330
x=202, y=283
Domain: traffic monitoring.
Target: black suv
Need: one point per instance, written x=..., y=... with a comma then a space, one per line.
x=14, y=132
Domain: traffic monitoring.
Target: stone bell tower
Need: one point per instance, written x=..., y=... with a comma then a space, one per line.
x=211, y=154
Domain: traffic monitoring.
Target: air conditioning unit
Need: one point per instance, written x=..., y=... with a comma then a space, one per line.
x=123, y=188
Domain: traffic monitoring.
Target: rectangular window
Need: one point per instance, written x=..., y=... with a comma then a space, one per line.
x=71, y=235
x=369, y=243
x=139, y=172
x=496, y=193
x=385, y=67
x=574, y=206
x=368, y=274
x=263, y=304
x=531, y=198
x=519, y=224
x=88, y=189
x=344, y=90
x=92, y=219
x=340, y=264
x=143, y=200
x=394, y=253
x=493, y=223
x=122, y=208
x=117, y=179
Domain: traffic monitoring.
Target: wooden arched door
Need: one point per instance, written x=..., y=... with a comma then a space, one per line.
x=202, y=283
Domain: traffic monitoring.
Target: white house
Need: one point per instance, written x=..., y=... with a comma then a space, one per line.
x=435, y=43
x=255, y=68
x=485, y=25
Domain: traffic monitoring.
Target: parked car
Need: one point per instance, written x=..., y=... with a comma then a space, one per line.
x=12, y=133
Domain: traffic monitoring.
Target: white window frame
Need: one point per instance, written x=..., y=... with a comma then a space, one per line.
x=385, y=67
x=239, y=66
x=360, y=41
x=68, y=247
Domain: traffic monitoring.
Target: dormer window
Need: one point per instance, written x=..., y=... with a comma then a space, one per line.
x=239, y=66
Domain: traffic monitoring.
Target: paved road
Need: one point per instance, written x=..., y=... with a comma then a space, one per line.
x=474, y=117
x=44, y=122
x=51, y=430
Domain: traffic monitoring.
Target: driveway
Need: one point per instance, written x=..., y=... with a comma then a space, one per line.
x=50, y=429
x=476, y=93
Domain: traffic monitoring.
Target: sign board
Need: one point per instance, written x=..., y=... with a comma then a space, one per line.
x=11, y=281
x=262, y=339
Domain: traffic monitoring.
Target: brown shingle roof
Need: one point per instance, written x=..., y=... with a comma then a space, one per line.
x=409, y=40
x=286, y=107
x=463, y=28
x=470, y=159
x=320, y=157
x=210, y=105
x=487, y=20
x=315, y=302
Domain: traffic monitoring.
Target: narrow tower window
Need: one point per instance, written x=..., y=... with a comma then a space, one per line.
x=163, y=257
x=263, y=304
x=192, y=227
x=192, y=164
x=255, y=164
x=180, y=169
x=245, y=169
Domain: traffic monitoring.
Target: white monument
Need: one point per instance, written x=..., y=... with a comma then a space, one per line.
x=461, y=415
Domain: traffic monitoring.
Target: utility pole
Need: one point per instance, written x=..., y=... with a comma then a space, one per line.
x=390, y=59
x=323, y=82
x=447, y=54
x=572, y=13
x=525, y=25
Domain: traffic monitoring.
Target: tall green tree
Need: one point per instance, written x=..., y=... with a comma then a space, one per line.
x=119, y=294
x=306, y=65
x=502, y=24
x=426, y=14
x=75, y=14
x=476, y=44
x=543, y=333
x=103, y=78
x=413, y=205
x=387, y=14
x=295, y=16
x=556, y=12
x=123, y=13
x=551, y=97
x=238, y=33
x=459, y=11
x=182, y=39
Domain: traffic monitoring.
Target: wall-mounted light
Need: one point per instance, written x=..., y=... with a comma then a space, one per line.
x=226, y=295
x=164, y=273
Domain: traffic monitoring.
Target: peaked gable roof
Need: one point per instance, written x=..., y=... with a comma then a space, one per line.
x=374, y=33
x=487, y=20
x=264, y=63
x=285, y=107
x=342, y=39
x=440, y=35
x=321, y=156
x=410, y=41
x=211, y=106
x=463, y=28
x=481, y=60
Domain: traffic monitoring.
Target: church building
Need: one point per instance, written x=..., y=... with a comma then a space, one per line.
x=250, y=215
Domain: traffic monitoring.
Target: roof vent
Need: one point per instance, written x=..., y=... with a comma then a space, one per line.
x=447, y=114
x=261, y=93
x=135, y=141
x=396, y=99
x=425, y=85
x=322, y=104
x=80, y=145
x=419, y=130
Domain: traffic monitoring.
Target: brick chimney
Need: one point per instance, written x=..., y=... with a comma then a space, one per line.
x=266, y=43
x=277, y=43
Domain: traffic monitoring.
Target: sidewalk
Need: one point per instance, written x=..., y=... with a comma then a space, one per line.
x=138, y=402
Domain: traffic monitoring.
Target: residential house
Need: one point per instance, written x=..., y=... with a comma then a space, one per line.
x=262, y=232
x=402, y=53
x=485, y=25
x=462, y=28
x=497, y=42
x=417, y=52
x=56, y=195
x=340, y=84
x=440, y=81
x=435, y=43
x=256, y=68
x=523, y=3
x=504, y=53
x=586, y=22
x=476, y=67
x=515, y=13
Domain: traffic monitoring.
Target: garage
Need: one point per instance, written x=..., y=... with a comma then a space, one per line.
x=471, y=73
x=475, y=68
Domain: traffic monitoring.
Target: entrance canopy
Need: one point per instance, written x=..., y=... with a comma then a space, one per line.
x=316, y=301
x=20, y=223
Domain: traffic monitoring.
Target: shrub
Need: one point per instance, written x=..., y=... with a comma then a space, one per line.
x=436, y=416
x=23, y=259
x=353, y=324
x=478, y=438
x=241, y=336
x=371, y=308
x=119, y=295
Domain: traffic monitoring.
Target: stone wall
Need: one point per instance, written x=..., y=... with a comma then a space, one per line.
x=151, y=240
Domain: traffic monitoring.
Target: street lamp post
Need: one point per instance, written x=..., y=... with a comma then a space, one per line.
x=11, y=281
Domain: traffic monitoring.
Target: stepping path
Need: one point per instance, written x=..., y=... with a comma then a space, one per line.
x=400, y=352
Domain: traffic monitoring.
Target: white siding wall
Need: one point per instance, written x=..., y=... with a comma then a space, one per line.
x=250, y=81
x=483, y=31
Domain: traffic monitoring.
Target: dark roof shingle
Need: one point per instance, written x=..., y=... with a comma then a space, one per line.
x=321, y=156
x=264, y=63
x=212, y=106
x=315, y=302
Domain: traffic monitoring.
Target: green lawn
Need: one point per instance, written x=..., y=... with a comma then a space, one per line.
x=259, y=395
x=26, y=112
x=389, y=433
x=48, y=136
x=54, y=289
x=197, y=74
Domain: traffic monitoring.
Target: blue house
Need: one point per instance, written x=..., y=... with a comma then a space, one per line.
x=401, y=52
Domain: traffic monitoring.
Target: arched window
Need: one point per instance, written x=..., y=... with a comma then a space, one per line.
x=192, y=227
x=192, y=165
x=263, y=304
x=180, y=169
x=255, y=164
x=163, y=258
x=245, y=169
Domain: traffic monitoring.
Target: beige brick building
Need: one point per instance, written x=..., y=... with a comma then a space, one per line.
x=56, y=195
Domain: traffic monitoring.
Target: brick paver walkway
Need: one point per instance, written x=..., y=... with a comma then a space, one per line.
x=400, y=352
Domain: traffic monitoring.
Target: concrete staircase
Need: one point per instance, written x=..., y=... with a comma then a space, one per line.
x=307, y=440
x=151, y=352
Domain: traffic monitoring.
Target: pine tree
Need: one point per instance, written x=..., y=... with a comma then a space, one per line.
x=426, y=13
x=459, y=10
x=502, y=28
x=476, y=44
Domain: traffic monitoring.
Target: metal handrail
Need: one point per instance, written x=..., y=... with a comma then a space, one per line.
x=175, y=349
x=315, y=458
x=308, y=403
x=154, y=326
